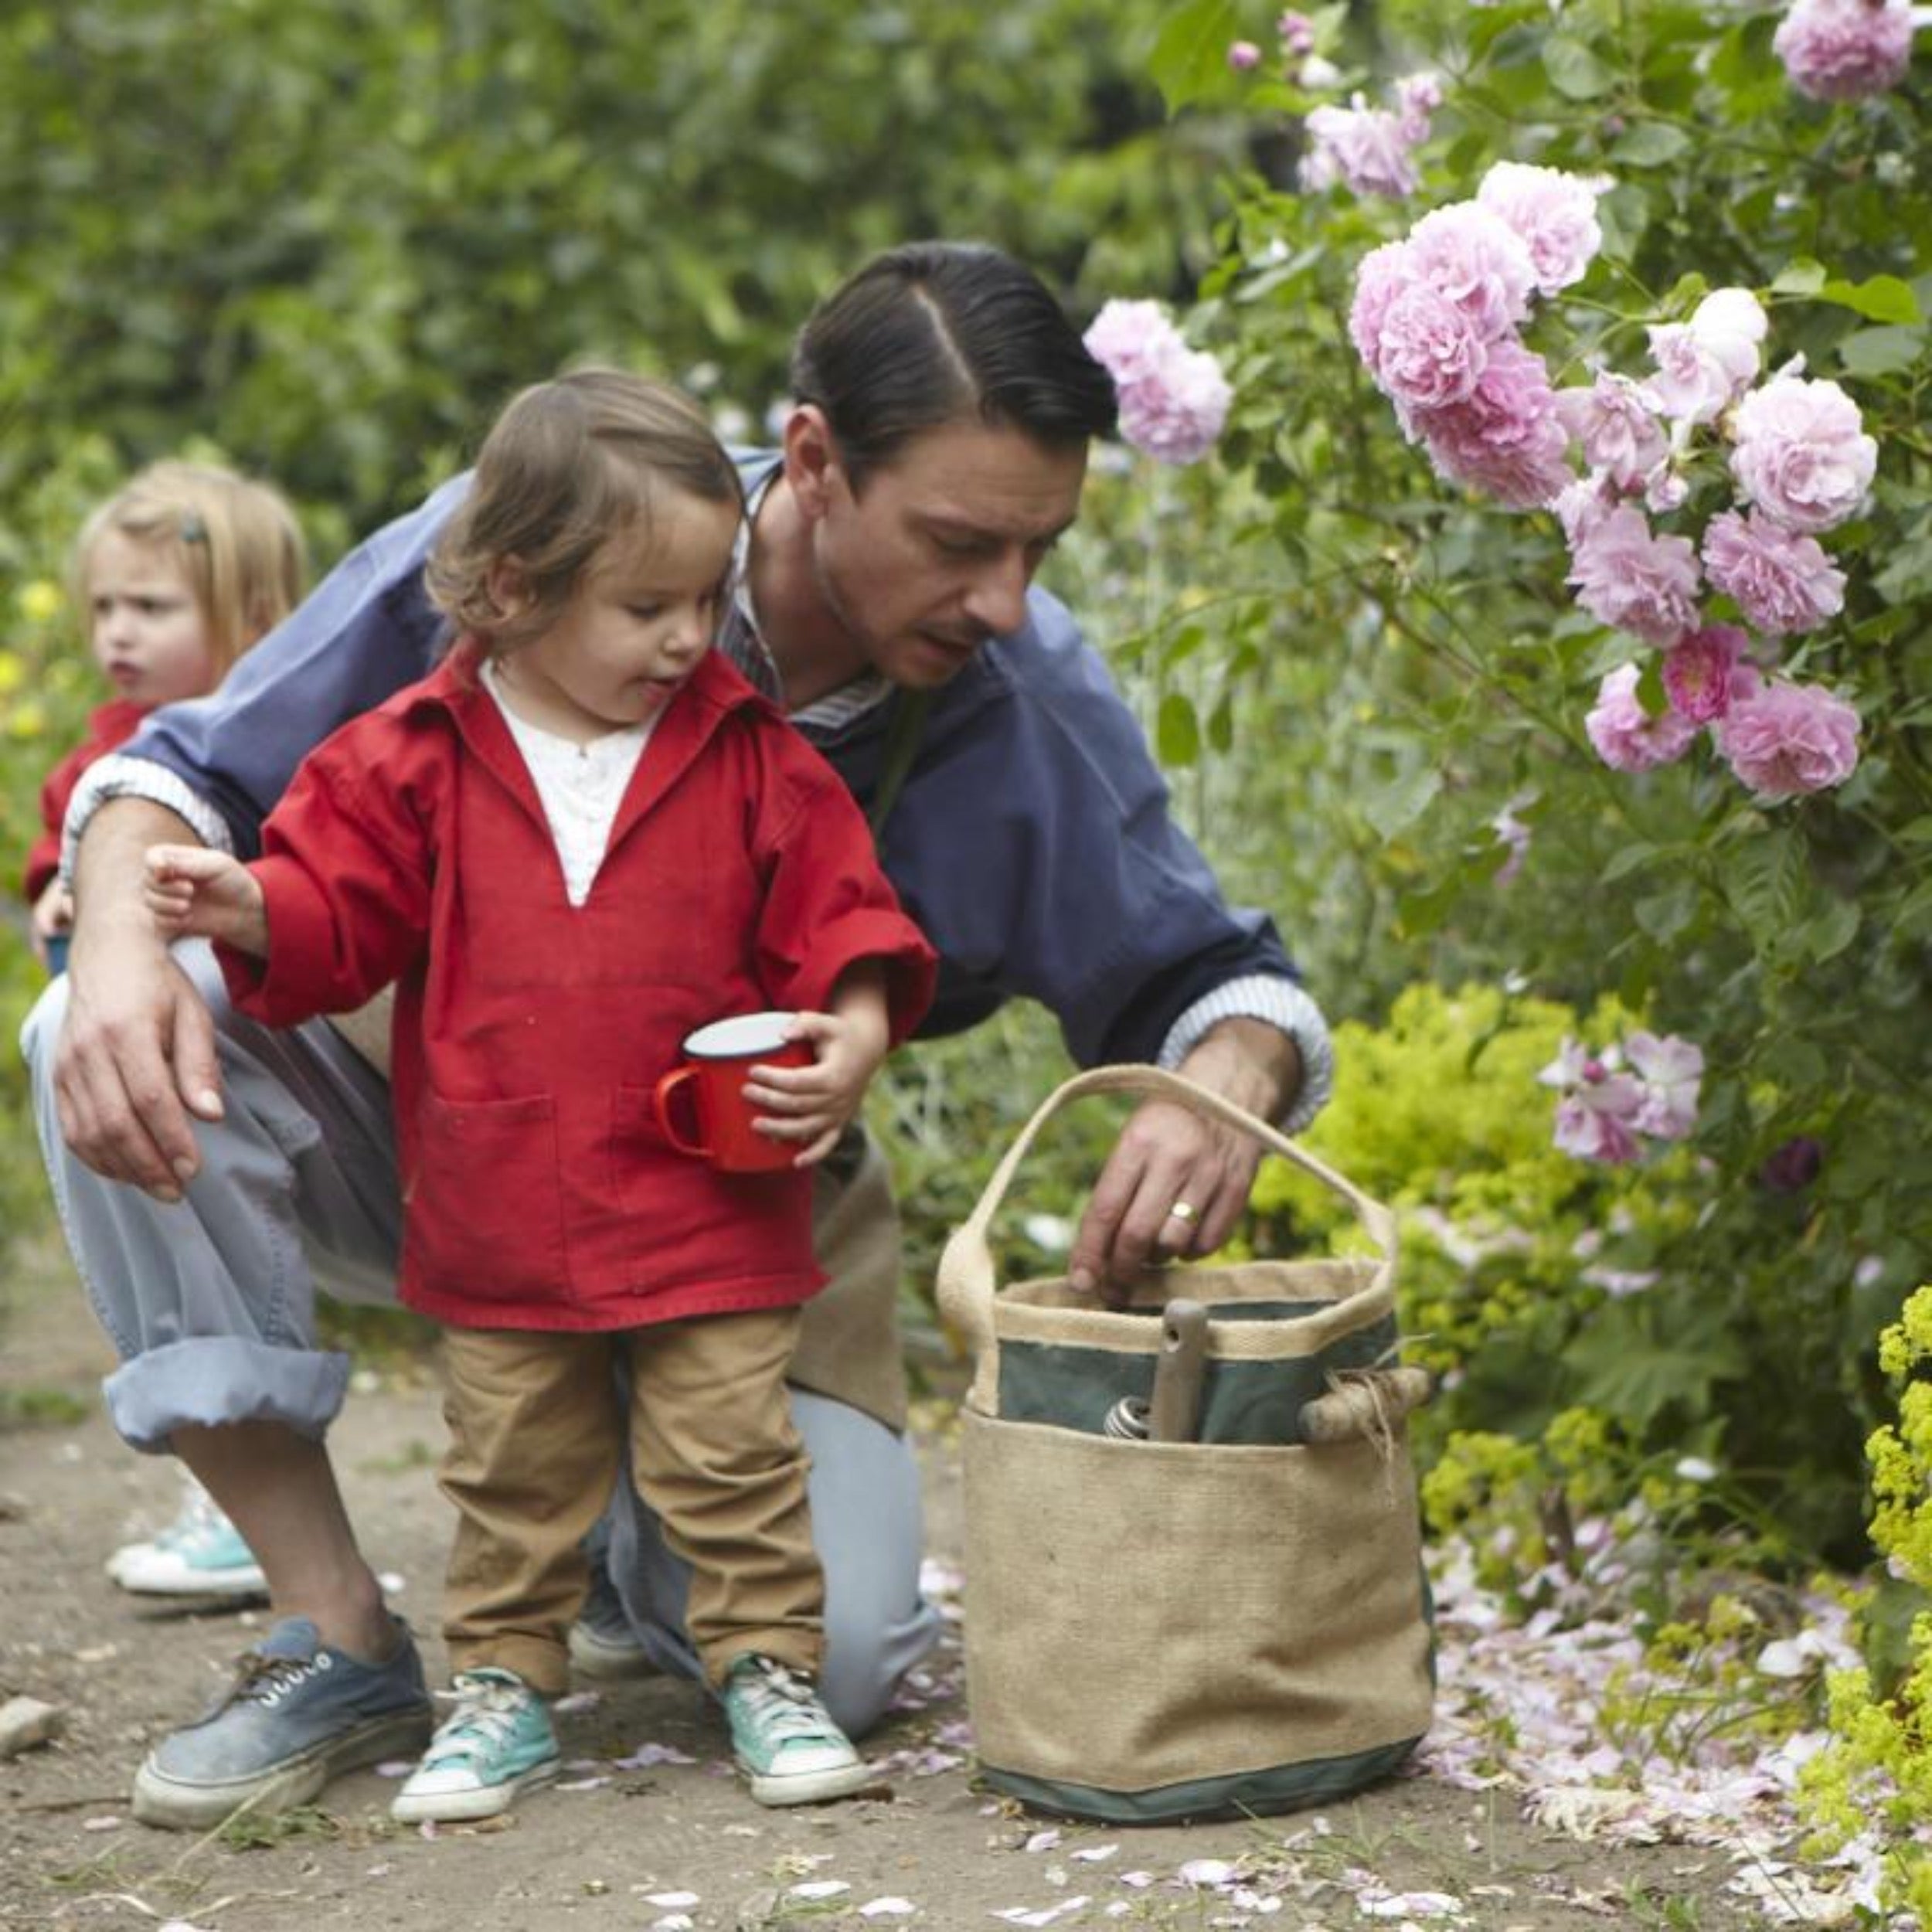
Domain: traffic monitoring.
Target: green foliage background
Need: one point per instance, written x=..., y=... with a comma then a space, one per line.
x=324, y=238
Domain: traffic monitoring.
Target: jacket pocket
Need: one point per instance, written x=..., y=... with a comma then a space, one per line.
x=484, y=1206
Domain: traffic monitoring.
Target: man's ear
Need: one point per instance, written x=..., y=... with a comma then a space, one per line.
x=508, y=584
x=812, y=465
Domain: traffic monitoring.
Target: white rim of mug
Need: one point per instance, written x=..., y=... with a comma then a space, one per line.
x=742, y=1034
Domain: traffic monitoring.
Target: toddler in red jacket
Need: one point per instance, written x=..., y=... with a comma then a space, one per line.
x=175, y=575
x=582, y=837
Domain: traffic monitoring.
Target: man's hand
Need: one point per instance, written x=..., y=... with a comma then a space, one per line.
x=1175, y=1183
x=136, y=1053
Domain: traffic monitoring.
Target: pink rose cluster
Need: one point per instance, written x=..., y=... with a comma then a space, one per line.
x=1174, y=400
x=1800, y=462
x=1845, y=49
x=1371, y=151
x=1608, y=1103
x=1436, y=319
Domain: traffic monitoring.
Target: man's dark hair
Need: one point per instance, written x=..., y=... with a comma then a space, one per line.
x=939, y=332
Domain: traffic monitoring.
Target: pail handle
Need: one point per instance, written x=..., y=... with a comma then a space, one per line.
x=966, y=1281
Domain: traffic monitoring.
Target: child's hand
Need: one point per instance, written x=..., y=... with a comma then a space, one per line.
x=52, y=915
x=813, y=1103
x=194, y=892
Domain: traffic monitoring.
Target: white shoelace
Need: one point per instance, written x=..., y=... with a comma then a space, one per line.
x=486, y=1714
x=784, y=1704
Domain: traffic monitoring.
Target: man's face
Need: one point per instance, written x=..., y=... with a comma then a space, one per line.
x=933, y=553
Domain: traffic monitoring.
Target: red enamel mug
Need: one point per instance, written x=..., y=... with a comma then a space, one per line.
x=701, y=1104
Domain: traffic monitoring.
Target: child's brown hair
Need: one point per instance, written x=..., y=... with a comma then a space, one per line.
x=568, y=465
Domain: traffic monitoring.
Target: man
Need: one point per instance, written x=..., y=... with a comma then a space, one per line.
x=935, y=451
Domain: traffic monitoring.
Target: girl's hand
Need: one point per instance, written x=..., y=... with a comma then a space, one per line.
x=52, y=915
x=812, y=1104
x=193, y=892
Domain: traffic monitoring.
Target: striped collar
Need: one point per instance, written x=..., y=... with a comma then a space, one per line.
x=739, y=638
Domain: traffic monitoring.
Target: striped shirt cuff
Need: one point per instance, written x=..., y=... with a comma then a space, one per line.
x=122, y=777
x=1281, y=1003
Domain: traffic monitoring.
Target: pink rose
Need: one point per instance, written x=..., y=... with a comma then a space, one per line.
x=1705, y=364
x=1669, y=1072
x=1613, y=421
x=1581, y=505
x=1130, y=339
x=1589, y=1126
x=1790, y=739
x=1598, y=1107
x=1802, y=455
x=1700, y=672
x=1471, y=255
x=1627, y=737
x=1845, y=49
x=1430, y=356
x=1366, y=149
x=1417, y=97
x=1632, y=579
x=1385, y=273
x=1781, y=581
x=1174, y=400
x=1554, y=214
x=1504, y=437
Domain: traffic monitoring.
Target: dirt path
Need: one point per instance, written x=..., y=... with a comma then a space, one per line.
x=651, y=1831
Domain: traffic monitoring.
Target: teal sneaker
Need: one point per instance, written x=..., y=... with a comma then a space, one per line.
x=298, y=1713
x=783, y=1738
x=496, y=1743
x=199, y=1554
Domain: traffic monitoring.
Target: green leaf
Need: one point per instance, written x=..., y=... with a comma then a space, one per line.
x=1800, y=276
x=1907, y=574
x=1651, y=144
x=1177, y=730
x=1882, y=298
x=1765, y=883
x=1666, y=914
x=1624, y=1370
x=1651, y=693
x=1630, y=859
x=1881, y=352
x=1402, y=803
x=1827, y=936
x=1190, y=56
x=1574, y=70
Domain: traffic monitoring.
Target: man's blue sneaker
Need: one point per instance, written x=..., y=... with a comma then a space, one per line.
x=200, y=1553
x=496, y=1743
x=298, y=1713
x=784, y=1739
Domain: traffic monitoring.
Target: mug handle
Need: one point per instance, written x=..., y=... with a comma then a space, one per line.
x=661, y=1100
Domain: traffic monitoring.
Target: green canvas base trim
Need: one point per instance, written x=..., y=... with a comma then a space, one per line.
x=1287, y=1788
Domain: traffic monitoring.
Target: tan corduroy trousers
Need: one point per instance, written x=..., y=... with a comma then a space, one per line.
x=536, y=1439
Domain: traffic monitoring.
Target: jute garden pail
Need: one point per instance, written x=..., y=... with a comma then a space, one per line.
x=1164, y=1630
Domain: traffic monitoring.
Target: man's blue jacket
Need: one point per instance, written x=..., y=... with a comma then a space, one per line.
x=1030, y=838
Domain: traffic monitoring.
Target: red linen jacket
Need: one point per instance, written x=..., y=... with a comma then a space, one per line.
x=109, y=727
x=538, y=1191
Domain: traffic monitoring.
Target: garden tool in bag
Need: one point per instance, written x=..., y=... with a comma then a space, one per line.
x=1194, y=1582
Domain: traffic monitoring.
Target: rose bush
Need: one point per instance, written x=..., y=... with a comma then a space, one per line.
x=1570, y=556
